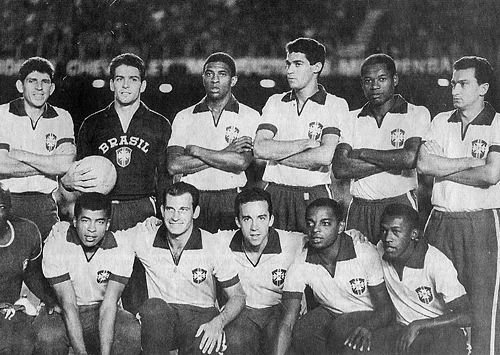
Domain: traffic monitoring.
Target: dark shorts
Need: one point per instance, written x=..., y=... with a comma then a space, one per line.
x=364, y=215
x=322, y=332
x=17, y=336
x=253, y=332
x=125, y=215
x=217, y=210
x=471, y=240
x=290, y=203
x=167, y=327
x=53, y=339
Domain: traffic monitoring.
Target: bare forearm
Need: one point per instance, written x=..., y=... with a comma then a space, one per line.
x=314, y=158
x=458, y=319
x=350, y=168
x=11, y=168
x=54, y=165
x=185, y=164
x=223, y=160
x=480, y=176
x=435, y=165
x=396, y=159
x=74, y=327
x=107, y=317
x=271, y=149
x=232, y=308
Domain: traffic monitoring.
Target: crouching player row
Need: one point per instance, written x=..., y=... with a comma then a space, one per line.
x=183, y=265
x=354, y=312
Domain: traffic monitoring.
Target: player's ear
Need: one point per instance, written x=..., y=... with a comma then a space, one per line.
x=341, y=227
x=317, y=67
x=396, y=79
x=271, y=220
x=52, y=88
x=234, y=80
x=483, y=88
x=111, y=85
x=162, y=210
x=74, y=221
x=20, y=86
x=415, y=234
x=143, y=85
x=237, y=220
x=108, y=223
x=196, y=212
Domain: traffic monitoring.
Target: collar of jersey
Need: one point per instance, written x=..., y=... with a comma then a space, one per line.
x=16, y=107
x=194, y=242
x=485, y=117
x=232, y=105
x=417, y=258
x=273, y=243
x=346, y=252
x=111, y=111
x=108, y=241
x=400, y=106
x=319, y=96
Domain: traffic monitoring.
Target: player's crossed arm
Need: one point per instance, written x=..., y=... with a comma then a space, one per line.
x=347, y=164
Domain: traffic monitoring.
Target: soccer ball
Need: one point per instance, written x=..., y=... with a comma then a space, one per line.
x=104, y=170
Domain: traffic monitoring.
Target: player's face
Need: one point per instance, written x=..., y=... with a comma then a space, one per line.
x=299, y=71
x=254, y=221
x=178, y=214
x=127, y=85
x=36, y=89
x=322, y=227
x=218, y=81
x=91, y=226
x=465, y=89
x=378, y=84
x=397, y=237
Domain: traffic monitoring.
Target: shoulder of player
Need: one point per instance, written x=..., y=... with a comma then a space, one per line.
x=28, y=228
x=158, y=117
x=291, y=240
x=365, y=249
x=435, y=257
x=213, y=241
x=335, y=100
x=59, y=232
x=61, y=112
x=95, y=117
x=223, y=238
x=248, y=111
x=442, y=117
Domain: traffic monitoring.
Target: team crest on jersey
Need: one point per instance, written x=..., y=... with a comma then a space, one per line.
x=199, y=275
x=231, y=133
x=103, y=276
x=123, y=156
x=50, y=142
x=315, y=130
x=279, y=276
x=478, y=148
x=358, y=286
x=25, y=264
x=424, y=294
x=397, y=137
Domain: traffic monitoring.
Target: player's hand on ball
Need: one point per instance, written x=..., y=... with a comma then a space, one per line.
x=360, y=339
x=432, y=147
x=213, y=336
x=79, y=178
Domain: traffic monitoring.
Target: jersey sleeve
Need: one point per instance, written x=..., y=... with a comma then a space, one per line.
x=36, y=252
x=347, y=129
x=121, y=266
x=269, y=117
x=180, y=131
x=341, y=112
x=67, y=128
x=446, y=279
x=371, y=263
x=433, y=132
x=55, y=258
x=295, y=281
x=422, y=122
x=495, y=143
x=83, y=146
x=225, y=267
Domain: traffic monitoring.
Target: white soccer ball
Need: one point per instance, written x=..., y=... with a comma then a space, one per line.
x=105, y=171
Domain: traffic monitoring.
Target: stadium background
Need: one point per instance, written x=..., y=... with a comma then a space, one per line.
x=173, y=37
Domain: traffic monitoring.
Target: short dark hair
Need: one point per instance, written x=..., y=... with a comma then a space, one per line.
x=483, y=68
x=406, y=212
x=224, y=58
x=129, y=59
x=181, y=188
x=380, y=58
x=38, y=64
x=251, y=195
x=313, y=50
x=337, y=209
x=93, y=201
